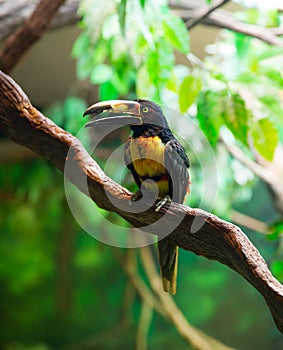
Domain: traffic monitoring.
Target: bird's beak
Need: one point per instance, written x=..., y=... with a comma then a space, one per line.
x=116, y=112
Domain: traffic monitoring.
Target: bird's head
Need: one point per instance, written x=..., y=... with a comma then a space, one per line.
x=125, y=112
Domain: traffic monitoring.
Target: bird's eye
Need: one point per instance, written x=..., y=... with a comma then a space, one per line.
x=145, y=109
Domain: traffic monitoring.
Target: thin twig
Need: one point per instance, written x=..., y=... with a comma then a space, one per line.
x=223, y=19
x=193, y=336
x=237, y=153
x=143, y=326
x=151, y=297
x=204, y=12
x=249, y=222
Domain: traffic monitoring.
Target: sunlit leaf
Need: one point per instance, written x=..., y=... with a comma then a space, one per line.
x=242, y=44
x=122, y=11
x=275, y=77
x=277, y=269
x=265, y=138
x=81, y=45
x=275, y=230
x=107, y=92
x=236, y=116
x=176, y=32
x=144, y=87
x=100, y=74
x=160, y=62
x=188, y=92
x=210, y=109
x=84, y=66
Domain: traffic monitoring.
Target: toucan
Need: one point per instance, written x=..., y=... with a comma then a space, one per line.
x=151, y=153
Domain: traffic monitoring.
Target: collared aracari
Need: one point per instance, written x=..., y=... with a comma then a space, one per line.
x=151, y=153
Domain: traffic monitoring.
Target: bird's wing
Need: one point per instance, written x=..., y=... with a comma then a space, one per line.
x=177, y=164
x=129, y=163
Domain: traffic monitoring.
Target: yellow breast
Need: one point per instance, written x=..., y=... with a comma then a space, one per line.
x=148, y=160
x=148, y=156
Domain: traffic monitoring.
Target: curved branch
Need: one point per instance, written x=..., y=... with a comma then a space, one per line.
x=216, y=239
x=14, y=13
x=19, y=42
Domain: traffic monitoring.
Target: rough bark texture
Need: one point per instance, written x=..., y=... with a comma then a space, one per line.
x=14, y=13
x=18, y=43
x=216, y=239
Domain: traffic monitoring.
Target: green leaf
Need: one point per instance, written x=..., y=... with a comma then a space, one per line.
x=144, y=87
x=236, y=116
x=176, y=33
x=108, y=92
x=277, y=269
x=73, y=111
x=242, y=44
x=276, y=230
x=99, y=52
x=81, y=45
x=265, y=138
x=100, y=74
x=275, y=76
x=160, y=63
x=122, y=11
x=84, y=66
x=209, y=113
x=188, y=92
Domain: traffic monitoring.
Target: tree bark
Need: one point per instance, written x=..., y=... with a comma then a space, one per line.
x=14, y=13
x=215, y=239
x=19, y=42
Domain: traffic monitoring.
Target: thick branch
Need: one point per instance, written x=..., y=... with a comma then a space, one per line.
x=14, y=13
x=18, y=43
x=212, y=237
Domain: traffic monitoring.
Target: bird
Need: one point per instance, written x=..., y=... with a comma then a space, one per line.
x=151, y=153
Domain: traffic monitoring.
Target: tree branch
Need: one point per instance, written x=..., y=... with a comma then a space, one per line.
x=163, y=303
x=216, y=239
x=269, y=172
x=14, y=13
x=198, y=339
x=19, y=42
x=223, y=19
x=249, y=222
x=204, y=12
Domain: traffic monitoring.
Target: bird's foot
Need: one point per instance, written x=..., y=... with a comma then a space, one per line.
x=161, y=203
x=136, y=196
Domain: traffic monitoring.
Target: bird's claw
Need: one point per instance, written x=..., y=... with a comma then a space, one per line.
x=161, y=203
x=136, y=196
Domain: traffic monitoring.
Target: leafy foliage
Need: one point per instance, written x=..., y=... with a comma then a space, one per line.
x=142, y=41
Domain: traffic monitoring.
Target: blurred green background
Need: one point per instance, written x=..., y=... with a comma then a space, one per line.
x=60, y=287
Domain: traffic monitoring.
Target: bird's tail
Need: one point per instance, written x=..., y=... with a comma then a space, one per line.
x=168, y=260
